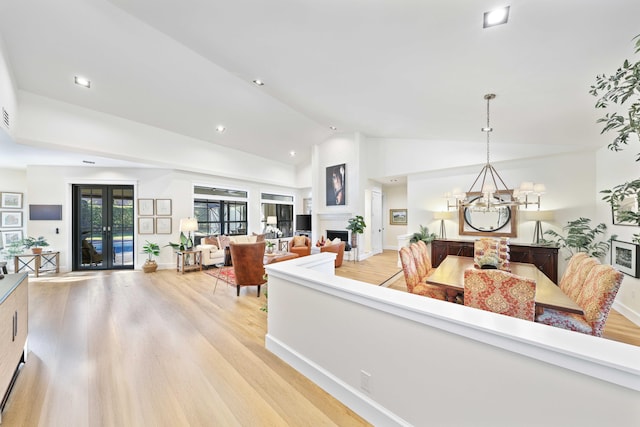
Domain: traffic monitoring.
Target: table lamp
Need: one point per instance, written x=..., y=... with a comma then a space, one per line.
x=442, y=215
x=538, y=217
x=188, y=225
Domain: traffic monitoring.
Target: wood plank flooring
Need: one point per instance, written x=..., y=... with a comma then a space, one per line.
x=124, y=348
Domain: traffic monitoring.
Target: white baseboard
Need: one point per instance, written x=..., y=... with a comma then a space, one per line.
x=360, y=403
x=627, y=312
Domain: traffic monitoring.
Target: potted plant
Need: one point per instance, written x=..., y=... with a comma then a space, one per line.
x=35, y=244
x=185, y=243
x=152, y=250
x=423, y=235
x=357, y=226
x=270, y=245
x=582, y=238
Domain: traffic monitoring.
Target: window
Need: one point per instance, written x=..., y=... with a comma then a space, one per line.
x=217, y=212
x=282, y=209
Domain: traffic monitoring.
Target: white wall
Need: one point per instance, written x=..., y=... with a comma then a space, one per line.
x=394, y=197
x=148, y=183
x=614, y=169
x=7, y=92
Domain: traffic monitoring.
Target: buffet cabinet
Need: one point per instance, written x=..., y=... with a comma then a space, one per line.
x=14, y=314
x=543, y=257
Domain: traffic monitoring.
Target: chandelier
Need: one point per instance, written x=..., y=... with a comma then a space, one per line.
x=489, y=192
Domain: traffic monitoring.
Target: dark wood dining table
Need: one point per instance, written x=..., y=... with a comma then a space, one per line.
x=450, y=275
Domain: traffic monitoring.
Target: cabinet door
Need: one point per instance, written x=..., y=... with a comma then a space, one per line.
x=7, y=344
x=21, y=307
x=547, y=261
x=438, y=252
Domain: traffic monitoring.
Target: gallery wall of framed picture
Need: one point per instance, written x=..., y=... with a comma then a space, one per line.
x=154, y=216
x=11, y=217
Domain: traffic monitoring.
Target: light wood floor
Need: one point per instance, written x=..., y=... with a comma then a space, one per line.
x=133, y=349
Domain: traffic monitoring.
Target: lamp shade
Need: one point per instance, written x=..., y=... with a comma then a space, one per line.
x=188, y=224
x=443, y=215
x=538, y=215
x=272, y=220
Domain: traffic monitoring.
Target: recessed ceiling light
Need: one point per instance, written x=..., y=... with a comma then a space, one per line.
x=89, y=162
x=496, y=17
x=220, y=128
x=258, y=82
x=292, y=153
x=82, y=81
x=333, y=128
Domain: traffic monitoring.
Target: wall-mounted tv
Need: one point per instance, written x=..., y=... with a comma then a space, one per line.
x=303, y=222
x=45, y=212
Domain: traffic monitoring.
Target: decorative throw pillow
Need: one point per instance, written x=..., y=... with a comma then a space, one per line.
x=299, y=241
x=328, y=243
x=224, y=241
x=336, y=241
x=210, y=240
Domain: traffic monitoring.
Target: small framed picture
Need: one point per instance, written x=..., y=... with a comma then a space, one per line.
x=9, y=237
x=145, y=226
x=398, y=216
x=11, y=219
x=145, y=207
x=11, y=200
x=163, y=225
x=163, y=207
x=624, y=257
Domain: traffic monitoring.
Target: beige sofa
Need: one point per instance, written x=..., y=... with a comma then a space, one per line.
x=212, y=247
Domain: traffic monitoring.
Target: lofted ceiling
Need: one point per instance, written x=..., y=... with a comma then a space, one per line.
x=415, y=69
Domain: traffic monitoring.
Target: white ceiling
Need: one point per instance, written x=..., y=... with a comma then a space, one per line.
x=389, y=68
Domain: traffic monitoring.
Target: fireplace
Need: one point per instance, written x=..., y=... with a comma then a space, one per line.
x=340, y=234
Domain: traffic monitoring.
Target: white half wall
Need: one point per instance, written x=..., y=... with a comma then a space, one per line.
x=402, y=359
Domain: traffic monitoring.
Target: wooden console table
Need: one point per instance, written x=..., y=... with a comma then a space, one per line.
x=183, y=264
x=37, y=263
x=543, y=257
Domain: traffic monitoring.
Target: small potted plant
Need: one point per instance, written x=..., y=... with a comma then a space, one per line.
x=35, y=244
x=269, y=245
x=152, y=250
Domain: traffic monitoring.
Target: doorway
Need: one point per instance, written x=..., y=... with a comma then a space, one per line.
x=103, y=220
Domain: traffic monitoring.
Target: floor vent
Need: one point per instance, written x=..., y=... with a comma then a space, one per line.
x=5, y=117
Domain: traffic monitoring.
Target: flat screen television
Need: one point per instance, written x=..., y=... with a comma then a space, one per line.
x=45, y=212
x=303, y=222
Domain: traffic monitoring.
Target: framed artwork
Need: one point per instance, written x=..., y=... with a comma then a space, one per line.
x=145, y=226
x=626, y=212
x=9, y=237
x=624, y=257
x=145, y=207
x=11, y=219
x=163, y=225
x=163, y=207
x=11, y=200
x=336, y=185
x=398, y=216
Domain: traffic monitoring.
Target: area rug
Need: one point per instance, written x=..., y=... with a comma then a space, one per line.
x=225, y=273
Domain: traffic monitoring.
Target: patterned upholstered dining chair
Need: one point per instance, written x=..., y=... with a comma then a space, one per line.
x=576, y=273
x=500, y=292
x=415, y=283
x=595, y=298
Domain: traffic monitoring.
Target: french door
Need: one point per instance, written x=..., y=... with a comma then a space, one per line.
x=103, y=219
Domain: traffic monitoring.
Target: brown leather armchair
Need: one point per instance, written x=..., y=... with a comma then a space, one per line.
x=248, y=264
x=338, y=249
x=301, y=250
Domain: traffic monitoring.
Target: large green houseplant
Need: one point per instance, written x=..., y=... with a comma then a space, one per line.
x=622, y=89
x=357, y=226
x=580, y=237
x=423, y=235
x=35, y=244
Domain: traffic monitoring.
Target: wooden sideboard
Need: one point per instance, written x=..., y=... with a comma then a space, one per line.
x=543, y=257
x=14, y=314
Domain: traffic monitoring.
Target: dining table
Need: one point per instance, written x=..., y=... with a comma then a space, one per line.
x=450, y=275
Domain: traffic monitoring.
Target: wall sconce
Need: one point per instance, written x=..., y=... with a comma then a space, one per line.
x=538, y=217
x=442, y=216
